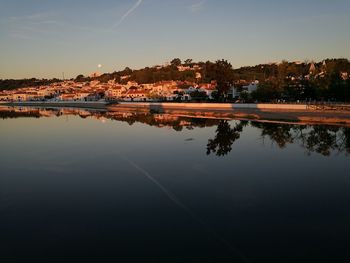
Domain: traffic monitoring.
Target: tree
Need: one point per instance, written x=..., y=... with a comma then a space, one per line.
x=222, y=73
x=270, y=90
x=175, y=62
x=199, y=95
x=188, y=62
x=127, y=71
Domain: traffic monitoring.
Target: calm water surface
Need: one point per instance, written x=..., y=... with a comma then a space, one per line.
x=136, y=187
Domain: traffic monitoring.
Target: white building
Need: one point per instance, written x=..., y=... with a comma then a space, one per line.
x=234, y=92
x=251, y=87
x=189, y=90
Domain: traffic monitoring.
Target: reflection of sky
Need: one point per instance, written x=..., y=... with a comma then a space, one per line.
x=73, y=172
x=74, y=139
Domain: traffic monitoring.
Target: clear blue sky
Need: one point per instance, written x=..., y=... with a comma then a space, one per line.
x=43, y=38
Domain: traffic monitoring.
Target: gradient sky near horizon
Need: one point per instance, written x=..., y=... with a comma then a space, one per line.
x=43, y=38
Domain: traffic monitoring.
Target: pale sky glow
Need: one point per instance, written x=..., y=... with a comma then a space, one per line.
x=45, y=38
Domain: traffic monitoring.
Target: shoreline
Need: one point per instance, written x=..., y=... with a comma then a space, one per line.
x=286, y=113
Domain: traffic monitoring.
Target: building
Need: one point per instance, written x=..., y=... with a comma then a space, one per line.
x=5, y=97
x=134, y=93
x=312, y=68
x=208, y=89
x=235, y=92
x=253, y=86
x=68, y=97
x=114, y=92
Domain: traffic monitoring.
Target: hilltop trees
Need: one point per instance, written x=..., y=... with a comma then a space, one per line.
x=222, y=72
x=327, y=80
x=188, y=62
x=10, y=84
x=175, y=62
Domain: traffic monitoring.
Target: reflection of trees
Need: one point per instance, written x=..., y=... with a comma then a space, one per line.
x=345, y=140
x=225, y=137
x=279, y=133
x=322, y=140
x=162, y=120
x=319, y=138
x=178, y=123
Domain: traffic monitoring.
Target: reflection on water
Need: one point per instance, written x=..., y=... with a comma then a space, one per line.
x=322, y=139
x=317, y=138
x=225, y=137
x=131, y=186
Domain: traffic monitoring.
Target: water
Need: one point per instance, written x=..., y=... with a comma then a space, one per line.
x=136, y=187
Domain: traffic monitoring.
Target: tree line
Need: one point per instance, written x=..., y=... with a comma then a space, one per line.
x=10, y=84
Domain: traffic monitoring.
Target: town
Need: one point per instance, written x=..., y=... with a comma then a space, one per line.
x=198, y=82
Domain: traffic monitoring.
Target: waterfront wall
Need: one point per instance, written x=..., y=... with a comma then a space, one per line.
x=214, y=106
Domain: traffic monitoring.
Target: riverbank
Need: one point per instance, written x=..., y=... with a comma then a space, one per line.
x=287, y=113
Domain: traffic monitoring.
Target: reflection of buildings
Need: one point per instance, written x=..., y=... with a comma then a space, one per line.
x=321, y=139
x=158, y=120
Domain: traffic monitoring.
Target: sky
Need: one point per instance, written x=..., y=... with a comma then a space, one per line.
x=44, y=38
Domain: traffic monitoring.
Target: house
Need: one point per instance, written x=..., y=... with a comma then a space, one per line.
x=5, y=97
x=134, y=93
x=111, y=82
x=233, y=92
x=19, y=96
x=114, y=92
x=92, y=97
x=253, y=86
x=208, y=88
x=131, y=84
x=94, y=83
x=82, y=95
x=196, y=67
x=171, y=97
x=183, y=68
x=189, y=90
x=125, y=77
x=44, y=92
x=68, y=96
x=26, y=96
x=157, y=88
x=186, y=97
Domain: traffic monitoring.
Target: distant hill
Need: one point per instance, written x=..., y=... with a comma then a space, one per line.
x=327, y=79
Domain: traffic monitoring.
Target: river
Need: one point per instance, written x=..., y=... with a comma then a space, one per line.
x=77, y=185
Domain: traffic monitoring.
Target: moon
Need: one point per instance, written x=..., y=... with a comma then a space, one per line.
x=99, y=65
